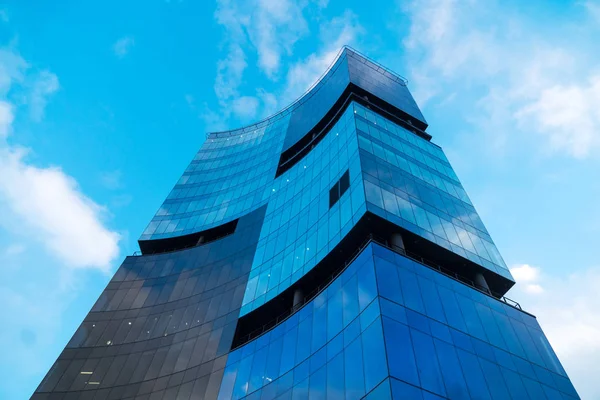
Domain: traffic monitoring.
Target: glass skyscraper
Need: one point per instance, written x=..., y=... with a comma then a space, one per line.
x=327, y=252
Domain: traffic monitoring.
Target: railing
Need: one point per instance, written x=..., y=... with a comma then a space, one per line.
x=380, y=68
x=382, y=242
x=456, y=276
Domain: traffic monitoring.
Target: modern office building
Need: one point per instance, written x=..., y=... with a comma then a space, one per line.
x=327, y=252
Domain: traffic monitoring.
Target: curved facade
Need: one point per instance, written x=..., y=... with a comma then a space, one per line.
x=389, y=327
x=328, y=251
x=233, y=172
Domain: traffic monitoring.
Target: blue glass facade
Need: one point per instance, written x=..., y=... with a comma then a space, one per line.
x=409, y=181
x=283, y=264
x=390, y=327
x=232, y=170
x=300, y=227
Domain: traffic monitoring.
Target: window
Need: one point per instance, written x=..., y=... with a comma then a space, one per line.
x=339, y=188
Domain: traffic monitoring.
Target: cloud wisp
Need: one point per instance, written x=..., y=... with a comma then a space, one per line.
x=340, y=31
x=123, y=46
x=112, y=180
x=6, y=118
x=528, y=277
x=538, y=82
x=269, y=31
x=44, y=85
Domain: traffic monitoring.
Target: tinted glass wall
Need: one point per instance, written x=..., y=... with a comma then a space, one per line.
x=233, y=169
x=409, y=181
x=390, y=327
x=163, y=326
x=300, y=225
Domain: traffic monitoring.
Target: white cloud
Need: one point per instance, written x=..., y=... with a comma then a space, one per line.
x=112, y=179
x=525, y=273
x=568, y=116
x=52, y=206
x=44, y=85
x=593, y=8
x=123, y=46
x=230, y=71
x=542, y=85
x=279, y=24
x=270, y=28
x=15, y=249
x=568, y=312
x=340, y=31
x=269, y=102
x=121, y=200
x=534, y=288
x=245, y=107
x=213, y=120
x=12, y=69
x=36, y=89
x=528, y=278
x=6, y=118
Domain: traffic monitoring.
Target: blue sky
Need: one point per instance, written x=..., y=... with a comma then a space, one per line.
x=103, y=105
